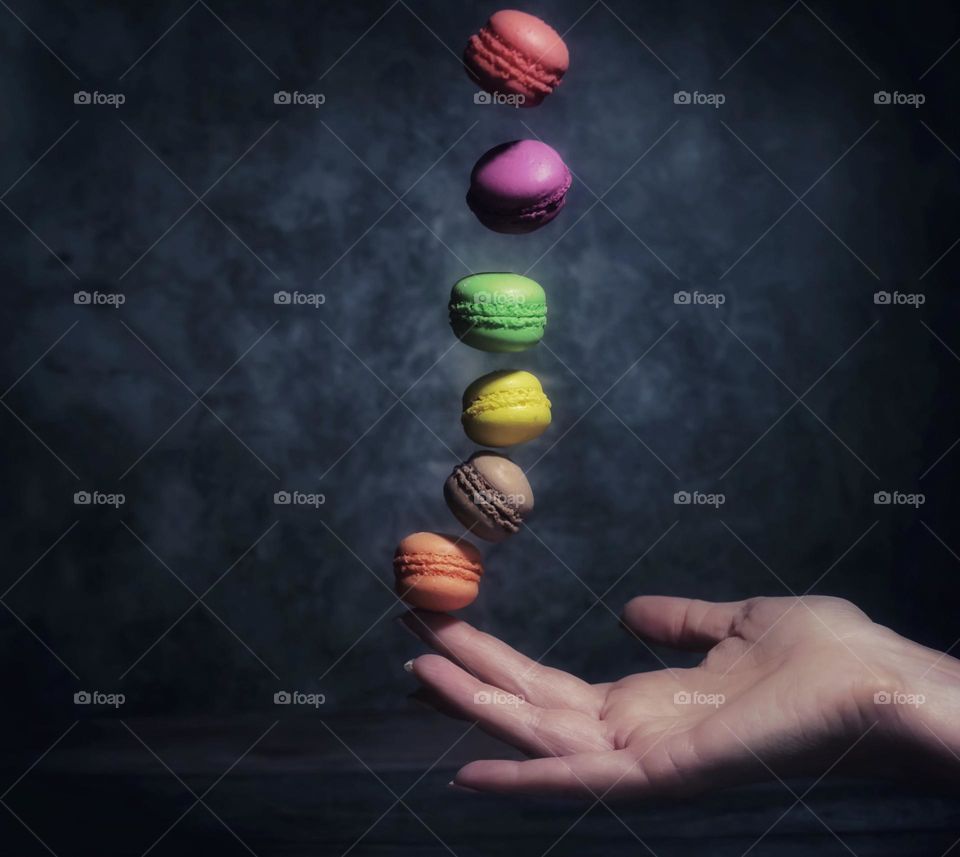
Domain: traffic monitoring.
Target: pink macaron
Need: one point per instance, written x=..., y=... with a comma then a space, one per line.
x=517, y=54
x=518, y=187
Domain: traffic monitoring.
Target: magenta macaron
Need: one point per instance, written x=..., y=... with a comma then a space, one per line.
x=518, y=187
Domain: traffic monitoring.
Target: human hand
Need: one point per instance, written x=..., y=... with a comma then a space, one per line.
x=788, y=686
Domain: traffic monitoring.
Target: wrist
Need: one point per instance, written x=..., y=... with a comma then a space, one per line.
x=920, y=711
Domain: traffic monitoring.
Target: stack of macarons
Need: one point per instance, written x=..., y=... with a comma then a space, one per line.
x=515, y=188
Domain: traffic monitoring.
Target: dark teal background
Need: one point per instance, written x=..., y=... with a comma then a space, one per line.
x=301, y=598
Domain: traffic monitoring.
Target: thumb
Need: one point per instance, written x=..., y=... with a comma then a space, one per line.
x=682, y=623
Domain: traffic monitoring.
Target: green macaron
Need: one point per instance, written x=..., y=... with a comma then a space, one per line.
x=498, y=312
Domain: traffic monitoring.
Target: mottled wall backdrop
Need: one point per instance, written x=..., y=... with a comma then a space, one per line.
x=783, y=385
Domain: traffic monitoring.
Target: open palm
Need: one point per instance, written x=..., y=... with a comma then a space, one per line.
x=788, y=685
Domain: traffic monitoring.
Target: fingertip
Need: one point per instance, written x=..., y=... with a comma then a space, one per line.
x=640, y=602
x=484, y=775
x=423, y=667
x=635, y=610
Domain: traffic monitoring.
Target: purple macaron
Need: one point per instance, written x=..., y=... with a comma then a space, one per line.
x=517, y=187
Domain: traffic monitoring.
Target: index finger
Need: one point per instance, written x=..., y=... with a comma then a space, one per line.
x=493, y=661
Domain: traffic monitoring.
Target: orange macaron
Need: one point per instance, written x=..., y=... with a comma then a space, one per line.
x=437, y=572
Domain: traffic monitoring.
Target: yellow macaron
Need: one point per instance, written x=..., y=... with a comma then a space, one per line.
x=504, y=408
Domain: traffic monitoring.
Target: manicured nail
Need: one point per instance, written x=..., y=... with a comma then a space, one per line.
x=408, y=666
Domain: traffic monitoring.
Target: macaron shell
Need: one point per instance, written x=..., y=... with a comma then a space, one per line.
x=504, y=476
x=519, y=224
x=440, y=544
x=516, y=53
x=520, y=174
x=505, y=408
x=437, y=593
x=437, y=572
x=501, y=381
x=491, y=518
x=467, y=513
x=508, y=426
x=498, y=312
x=517, y=187
x=534, y=36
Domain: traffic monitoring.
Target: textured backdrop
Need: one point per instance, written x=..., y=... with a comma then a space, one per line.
x=199, y=397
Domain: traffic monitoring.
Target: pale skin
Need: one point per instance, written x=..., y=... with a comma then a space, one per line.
x=788, y=686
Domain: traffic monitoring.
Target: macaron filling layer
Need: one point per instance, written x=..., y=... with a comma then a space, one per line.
x=438, y=564
x=549, y=206
x=492, y=503
x=516, y=398
x=512, y=63
x=493, y=315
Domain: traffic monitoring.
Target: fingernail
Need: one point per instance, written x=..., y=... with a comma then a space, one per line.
x=408, y=666
x=459, y=788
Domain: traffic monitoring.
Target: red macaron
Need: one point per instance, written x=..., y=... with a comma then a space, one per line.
x=517, y=54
